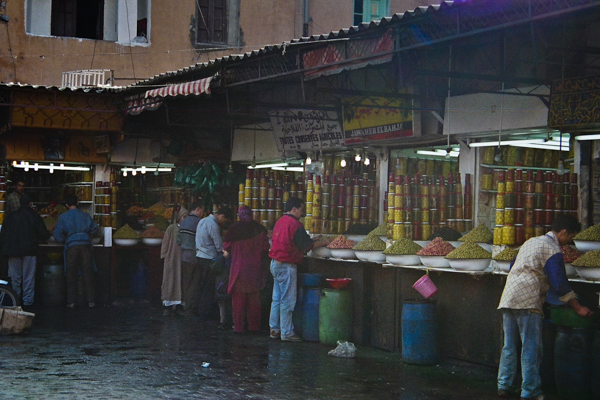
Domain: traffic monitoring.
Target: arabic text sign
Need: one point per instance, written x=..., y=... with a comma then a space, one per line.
x=306, y=129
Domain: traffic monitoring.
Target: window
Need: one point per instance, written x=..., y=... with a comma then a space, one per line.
x=369, y=10
x=212, y=22
x=125, y=21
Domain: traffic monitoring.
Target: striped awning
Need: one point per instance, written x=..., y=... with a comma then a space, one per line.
x=182, y=89
x=153, y=99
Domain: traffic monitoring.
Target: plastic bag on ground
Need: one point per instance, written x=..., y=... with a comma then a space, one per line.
x=343, y=349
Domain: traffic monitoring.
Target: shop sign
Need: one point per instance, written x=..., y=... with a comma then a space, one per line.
x=377, y=118
x=306, y=129
x=574, y=102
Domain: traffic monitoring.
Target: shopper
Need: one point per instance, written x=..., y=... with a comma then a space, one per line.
x=208, y=246
x=170, y=251
x=76, y=229
x=247, y=244
x=21, y=233
x=290, y=243
x=538, y=267
x=191, y=272
x=12, y=200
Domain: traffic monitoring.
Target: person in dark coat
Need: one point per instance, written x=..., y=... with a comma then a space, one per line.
x=20, y=236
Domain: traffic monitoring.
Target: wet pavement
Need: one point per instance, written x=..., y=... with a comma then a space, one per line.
x=132, y=351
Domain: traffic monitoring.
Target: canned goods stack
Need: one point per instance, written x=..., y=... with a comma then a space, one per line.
x=529, y=204
x=499, y=231
x=316, y=221
x=308, y=205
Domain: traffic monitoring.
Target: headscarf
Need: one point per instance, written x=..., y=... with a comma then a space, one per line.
x=245, y=213
x=182, y=211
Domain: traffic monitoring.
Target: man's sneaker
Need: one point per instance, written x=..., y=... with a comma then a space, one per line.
x=293, y=338
x=274, y=335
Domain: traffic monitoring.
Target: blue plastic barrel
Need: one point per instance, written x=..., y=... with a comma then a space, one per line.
x=310, y=314
x=311, y=280
x=420, y=343
x=54, y=286
x=573, y=362
x=596, y=366
x=139, y=280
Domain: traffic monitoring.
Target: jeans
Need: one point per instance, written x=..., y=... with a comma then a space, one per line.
x=80, y=258
x=285, y=278
x=521, y=326
x=22, y=272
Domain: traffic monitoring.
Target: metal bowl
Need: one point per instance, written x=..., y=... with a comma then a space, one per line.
x=586, y=245
x=470, y=264
x=503, y=265
x=152, y=241
x=403, y=259
x=588, y=273
x=435, y=261
x=345, y=254
x=370, y=255
x=570, y=270
x=356, y=238
x=126, y=242
x=322, y=252
x=422, y=243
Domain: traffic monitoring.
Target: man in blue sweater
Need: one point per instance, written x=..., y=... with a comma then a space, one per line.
x=75, y=229
x=191, y=272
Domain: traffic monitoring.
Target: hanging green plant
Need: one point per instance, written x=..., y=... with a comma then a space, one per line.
x=203, y=179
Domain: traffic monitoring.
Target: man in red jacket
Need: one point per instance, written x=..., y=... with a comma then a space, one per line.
x=290, y=243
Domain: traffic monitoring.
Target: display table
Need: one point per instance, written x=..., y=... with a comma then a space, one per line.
x=467, y=302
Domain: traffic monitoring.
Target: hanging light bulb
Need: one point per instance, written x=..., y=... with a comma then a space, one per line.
x=448, y=150
x=308, y=160
x=134, y=172
x=367, y=161
x=14, y=163
x=124, y=173
x=498, y=155
x=561, y=168
x=51, y=169
x=343, y=163
x=35, y=166
x=143, y=169
x=357, y=157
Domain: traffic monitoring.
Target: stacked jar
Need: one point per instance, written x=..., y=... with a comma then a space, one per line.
x=407, y=186
x=538, y=204
x=529, y=204
x=509, y=230
x=415, y=202
x=391, y=208
x=308, y=205
x=434, y=216
x=499, y=231
x=271, y=199
x=519, y=208
x=425, y=206
x=316, y=222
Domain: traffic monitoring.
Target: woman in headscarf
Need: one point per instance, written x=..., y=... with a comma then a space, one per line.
x=247, y=244
x=171, y=252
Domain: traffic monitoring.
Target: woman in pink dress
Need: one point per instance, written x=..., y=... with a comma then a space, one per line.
x=247, y=244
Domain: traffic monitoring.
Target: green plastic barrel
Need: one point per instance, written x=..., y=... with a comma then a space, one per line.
x=335, y=316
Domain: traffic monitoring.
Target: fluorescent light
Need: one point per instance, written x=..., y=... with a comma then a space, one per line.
x=506, y=143
x=441, y=153
x=544, y=146
x=588, y=137
x=145, y=169
x=269, y=165
x=51, y=167
x=293, y=169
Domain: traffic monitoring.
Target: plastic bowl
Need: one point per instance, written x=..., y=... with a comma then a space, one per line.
x=485, y=246
x=322, y=252
x=470, y=264
x=503, y=265
x=586, y=245
x=345, y=254
x=570, y=270
x=370, y=255
x=403, y=259
x=338, y=283
x=455, y=243
x=422, y=243
x=126, y=242
x=566, y=316
x=152, y=241
x=589, y=274
x=435, y=261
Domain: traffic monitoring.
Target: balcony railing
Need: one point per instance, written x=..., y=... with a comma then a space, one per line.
x=88, y=78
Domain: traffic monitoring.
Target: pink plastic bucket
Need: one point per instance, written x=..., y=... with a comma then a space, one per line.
x=425, y=286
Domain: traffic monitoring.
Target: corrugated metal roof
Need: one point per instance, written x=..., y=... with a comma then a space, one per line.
x=97, y=89
x=269, y=49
